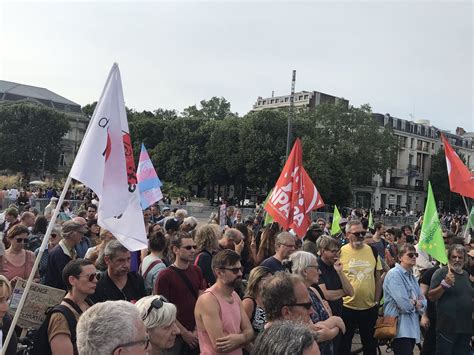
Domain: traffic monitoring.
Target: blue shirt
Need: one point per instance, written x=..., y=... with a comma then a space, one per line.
x=400, y=291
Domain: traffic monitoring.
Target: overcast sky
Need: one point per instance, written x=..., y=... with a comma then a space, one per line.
x=409, y=59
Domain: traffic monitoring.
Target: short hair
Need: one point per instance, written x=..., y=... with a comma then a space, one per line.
x=5, y=287
x=283, y=338
x=162, y=317
x=224, y=258
x=74, y=268
x=280, y=238
x=233, y=233
x=378, y=225
x=353, y=222
x=12, y=212
x=94, y=207
x=405, y=248
x=177, y=239
x=207, y=236
x=181, y=214
x=456, y=240
x=191, y=221
x=26, y=214
x=17, y=229
x=256, y=275
x=458, y=248
x=405, y=227
x=277, y=292
x=328, y=243
x=113, y=248
x=91, y=222
x=105, y=326
x=157, y=241
x=300, y=260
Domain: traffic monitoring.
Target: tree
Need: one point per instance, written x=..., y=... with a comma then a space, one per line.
x=217, y=108
x=450, y=201
x=29, y=134
x=88, y=109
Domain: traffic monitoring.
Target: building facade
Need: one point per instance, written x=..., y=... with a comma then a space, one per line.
x=15, y=92
x=303, y=99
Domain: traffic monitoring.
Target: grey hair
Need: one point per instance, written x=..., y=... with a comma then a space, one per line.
x=233, y=233
x=105, y=326
x=284, y=338
x=457, y=248
x=280, y=238
x=352, y=222
x=192, y=221
x=163, y=317
x=114, y=247
x=300, y=260
x=181, y=214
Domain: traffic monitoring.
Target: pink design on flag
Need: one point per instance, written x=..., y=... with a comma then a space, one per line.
x=148, y=182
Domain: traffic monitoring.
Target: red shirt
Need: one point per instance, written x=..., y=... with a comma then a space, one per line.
x=170, y=285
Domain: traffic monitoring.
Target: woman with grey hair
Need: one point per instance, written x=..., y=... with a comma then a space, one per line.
x=159, y=317
x=306, y=265
x=286, y=338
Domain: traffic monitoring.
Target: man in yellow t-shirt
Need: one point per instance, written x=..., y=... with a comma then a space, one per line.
x=363, y=268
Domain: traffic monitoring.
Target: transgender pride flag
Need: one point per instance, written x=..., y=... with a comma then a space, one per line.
x=148, y=182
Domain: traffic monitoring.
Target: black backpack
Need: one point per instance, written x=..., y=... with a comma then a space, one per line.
x=41, y=344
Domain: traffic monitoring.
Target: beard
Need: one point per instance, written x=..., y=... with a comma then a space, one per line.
x=235, y=284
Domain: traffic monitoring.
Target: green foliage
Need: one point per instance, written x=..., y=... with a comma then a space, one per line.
x=451, y=201
x=27, y=133
x=217, y=108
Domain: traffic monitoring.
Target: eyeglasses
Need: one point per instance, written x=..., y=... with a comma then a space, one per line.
x=315, y=266
x=289, y=245
x=91, y=277
x=157, y=303
x=333, y=250
x=235, y=270
x=411, y=255
x=189, y=247
x=145, y=341
x=21, y=240
x=306, y=305
x=359, y=234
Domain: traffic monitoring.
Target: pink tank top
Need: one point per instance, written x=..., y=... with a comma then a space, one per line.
x=230, y=318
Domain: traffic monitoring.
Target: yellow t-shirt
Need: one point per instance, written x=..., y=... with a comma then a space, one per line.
x=358, y=266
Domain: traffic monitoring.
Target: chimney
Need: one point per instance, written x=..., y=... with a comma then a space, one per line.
x=273, y=93
x=460, y=131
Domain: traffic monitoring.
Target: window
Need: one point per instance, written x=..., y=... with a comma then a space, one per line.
x=286, y=99
x=62, y=160
x=305, y=97
x=264, y=102
x=412, y=142
x=271, y=101
x=300, y=97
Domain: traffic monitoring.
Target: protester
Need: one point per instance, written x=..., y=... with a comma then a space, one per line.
x=54, y=238
x=49, y=209
x=80, y=277
x=285, y=338
x=306, y=265
x=112, y=327
x=91, y=212
x=85, y=243
x=252, y=301
x=5, y=319
x=96, y=254
x=310, y=238
x=267, y=242
x=11, y=219
x=18, y=262
x=159, y=317
x=63, y=253
x=118, y=282
x=405, y=300
x=221, y=322
x=363, y=269
x=248, y=253
x=206, y=242
x=181, y=284
x=156, y=215
x=37, y=233
x=27, y=219
x=284, y=246
x=93, y=232
x=451, y=289
x=153, y=263
x=232, y=239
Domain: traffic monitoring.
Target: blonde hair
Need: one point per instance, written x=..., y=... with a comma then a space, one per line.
x=5, y=287
x=162, y=317
x=207, y=237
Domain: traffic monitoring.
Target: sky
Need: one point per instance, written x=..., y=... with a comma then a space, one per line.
x=412, y=59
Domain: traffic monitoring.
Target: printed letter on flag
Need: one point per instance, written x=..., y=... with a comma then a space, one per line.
x=294, y=195
x=105, y=164
x=461, y=180
x=148, y=182
x=431, y=239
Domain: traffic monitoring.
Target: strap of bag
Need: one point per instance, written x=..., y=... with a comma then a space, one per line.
x=151, y=266
x=71, y=321
x=185, y=280
x=73, y=305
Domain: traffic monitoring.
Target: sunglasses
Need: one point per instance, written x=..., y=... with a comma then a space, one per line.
x=91, y=277
x=21, y=240
x=145, y=342
x=411, y=255
x=359, y=234
x=189, y=247
x=316, y=267
x=235, y=270
x=157, y=303
x=306, y=305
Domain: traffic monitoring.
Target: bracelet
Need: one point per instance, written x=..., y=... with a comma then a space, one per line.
x=445, y=285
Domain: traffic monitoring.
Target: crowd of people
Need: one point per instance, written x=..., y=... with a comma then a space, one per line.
x=247, y=288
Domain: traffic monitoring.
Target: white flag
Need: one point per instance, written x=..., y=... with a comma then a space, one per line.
x=105, y=164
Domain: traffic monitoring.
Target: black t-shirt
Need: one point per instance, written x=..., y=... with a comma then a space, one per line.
x=106, y=289
x=425, y=279
x=204, y=261
x=331, y=280
x=273, y=264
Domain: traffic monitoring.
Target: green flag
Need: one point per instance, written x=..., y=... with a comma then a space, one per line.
x=268, y=218
x=336, y=217
x=470, y=220
x=431, y=239
x=371, y=220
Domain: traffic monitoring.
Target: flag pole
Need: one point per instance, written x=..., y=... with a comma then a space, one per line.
x=468, y=213
x=35, y=265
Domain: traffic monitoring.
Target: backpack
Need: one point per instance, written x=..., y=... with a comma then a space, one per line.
x=41, y=345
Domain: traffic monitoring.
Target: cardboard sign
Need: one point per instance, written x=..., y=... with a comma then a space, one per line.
x=38, y=300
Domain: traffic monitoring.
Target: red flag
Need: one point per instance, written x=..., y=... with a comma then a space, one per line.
x=461, y=179
x=294, y=195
